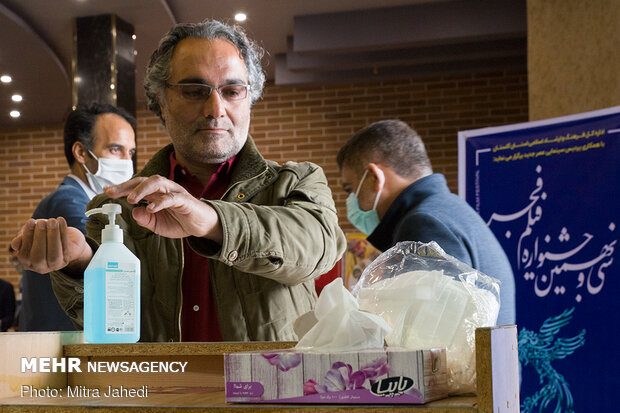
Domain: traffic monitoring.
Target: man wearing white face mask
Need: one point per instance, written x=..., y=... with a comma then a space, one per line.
x=100, y=143
x=109, y=172
x=398, y=198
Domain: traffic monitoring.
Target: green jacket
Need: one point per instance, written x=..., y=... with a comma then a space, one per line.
x=280, y=232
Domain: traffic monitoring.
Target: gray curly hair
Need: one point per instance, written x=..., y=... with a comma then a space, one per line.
x=158, y=70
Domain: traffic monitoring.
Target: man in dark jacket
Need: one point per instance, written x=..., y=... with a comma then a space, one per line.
x=100, y=143
x=395, y=196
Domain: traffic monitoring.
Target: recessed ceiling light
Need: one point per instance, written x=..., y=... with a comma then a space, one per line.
x=133, y=36
x=15, y=114
x=5, y=79
x=240, y=17
x=16, y=98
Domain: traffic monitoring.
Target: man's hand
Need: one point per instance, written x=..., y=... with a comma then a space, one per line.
x=171, y=211
x=45, y=245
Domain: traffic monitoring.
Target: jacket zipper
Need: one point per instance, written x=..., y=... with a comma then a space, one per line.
x=180, y=311
x=243, y=309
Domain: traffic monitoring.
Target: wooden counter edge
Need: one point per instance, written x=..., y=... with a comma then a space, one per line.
x=214, y=403
x=171, y=349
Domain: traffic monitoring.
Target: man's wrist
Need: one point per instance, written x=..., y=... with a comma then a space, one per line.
x=75, y=269
x=214, y=230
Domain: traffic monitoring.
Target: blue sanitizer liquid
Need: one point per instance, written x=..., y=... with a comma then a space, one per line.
x=112, y=296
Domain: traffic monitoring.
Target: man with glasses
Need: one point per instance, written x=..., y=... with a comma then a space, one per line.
x=395, y=196
x=229, y=242
x=100, y=143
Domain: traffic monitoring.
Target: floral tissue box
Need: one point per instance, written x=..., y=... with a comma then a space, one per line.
x=390, y=375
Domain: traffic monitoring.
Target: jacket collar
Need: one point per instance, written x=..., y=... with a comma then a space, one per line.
x=407, y=200
x=76, y=182
x=249, y=163
x=417, y=192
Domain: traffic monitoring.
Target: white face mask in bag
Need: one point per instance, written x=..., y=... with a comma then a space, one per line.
x=109, y=172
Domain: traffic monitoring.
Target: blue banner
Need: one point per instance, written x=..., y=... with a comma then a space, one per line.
x=550, y=191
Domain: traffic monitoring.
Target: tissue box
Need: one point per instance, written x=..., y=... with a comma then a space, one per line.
x=389, y=375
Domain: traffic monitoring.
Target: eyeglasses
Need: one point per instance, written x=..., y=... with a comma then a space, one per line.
x=201, y=91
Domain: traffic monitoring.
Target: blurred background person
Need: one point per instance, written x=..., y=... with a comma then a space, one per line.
x=7, y=305
x=100, y=145
x=395, y=196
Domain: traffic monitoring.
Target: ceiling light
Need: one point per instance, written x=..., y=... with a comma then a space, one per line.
x=15, y=114
x=240, y=17
x=133, y=36
x=16, y=98
x=5, y=79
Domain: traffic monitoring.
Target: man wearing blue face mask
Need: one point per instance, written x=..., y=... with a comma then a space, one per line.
x=395, y=196
x=100, y=144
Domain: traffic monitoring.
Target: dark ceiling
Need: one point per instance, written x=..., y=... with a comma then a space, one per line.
x=308, y=41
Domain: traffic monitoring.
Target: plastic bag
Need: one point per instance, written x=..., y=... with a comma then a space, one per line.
x=431, y=299
x=339, y=325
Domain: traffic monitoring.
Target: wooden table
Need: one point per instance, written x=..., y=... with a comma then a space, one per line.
x=201, y=386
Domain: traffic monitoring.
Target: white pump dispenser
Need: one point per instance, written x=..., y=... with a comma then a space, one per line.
x=112, y=287
x=111, y=232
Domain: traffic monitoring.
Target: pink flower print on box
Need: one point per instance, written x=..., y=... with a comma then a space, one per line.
x=341, y=377
x=284, y=361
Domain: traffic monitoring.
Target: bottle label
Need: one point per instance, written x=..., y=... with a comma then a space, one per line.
x=120, y=288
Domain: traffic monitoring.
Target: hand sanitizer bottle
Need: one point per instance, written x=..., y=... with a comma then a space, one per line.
x=112, y=287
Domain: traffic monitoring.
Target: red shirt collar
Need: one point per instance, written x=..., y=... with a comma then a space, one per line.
x=219, y=180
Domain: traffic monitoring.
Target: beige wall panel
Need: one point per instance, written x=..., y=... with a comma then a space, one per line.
x=573, y=56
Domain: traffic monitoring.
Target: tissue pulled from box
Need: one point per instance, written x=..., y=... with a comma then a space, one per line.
x=340, y=325
x=430, y=299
